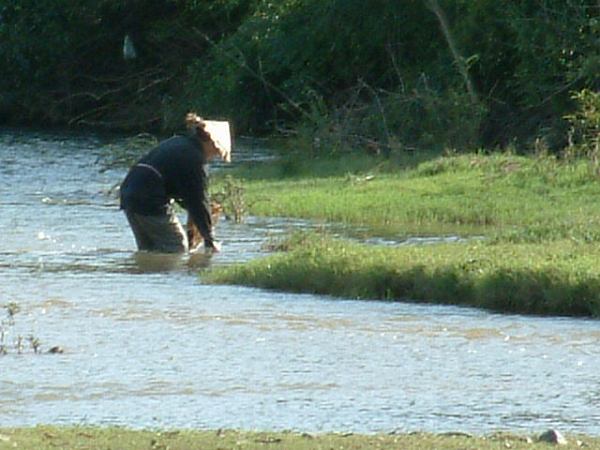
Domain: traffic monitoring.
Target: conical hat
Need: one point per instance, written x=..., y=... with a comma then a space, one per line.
x=220, y=134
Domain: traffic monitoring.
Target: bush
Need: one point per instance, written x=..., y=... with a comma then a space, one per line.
x=584, y=134
x=391, y=75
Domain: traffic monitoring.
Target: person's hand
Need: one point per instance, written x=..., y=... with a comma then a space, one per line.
x=215, y=248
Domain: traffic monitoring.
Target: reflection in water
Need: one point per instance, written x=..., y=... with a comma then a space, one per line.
x=148, y=345
x=169, y=262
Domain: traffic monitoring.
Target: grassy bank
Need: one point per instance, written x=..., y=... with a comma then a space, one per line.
x=46, y=438
x=539, y=219
x=560, y=278
x=500, y=195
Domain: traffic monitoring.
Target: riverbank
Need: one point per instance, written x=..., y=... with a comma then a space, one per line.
x=46, y=438
x=553, y=279
x=502, y=196
x=535, y=219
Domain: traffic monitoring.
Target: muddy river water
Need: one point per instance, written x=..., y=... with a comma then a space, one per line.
x=147, y=344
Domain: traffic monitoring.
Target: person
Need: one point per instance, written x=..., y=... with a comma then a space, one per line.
x=175, y=171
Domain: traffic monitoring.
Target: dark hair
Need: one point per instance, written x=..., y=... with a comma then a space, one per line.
x=195, y=126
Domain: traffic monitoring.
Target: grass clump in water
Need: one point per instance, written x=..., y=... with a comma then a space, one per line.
x=559, y=278
x=8, y=332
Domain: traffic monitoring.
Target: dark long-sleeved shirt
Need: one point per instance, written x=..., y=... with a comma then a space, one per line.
x=176, y=169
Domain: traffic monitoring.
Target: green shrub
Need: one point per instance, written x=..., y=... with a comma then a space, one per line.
x=585, y=127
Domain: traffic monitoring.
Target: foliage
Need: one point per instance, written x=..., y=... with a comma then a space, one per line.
x=231, y=197
x=389, y=77
x=62, y=60
x=584, y=136
x=386, y=76
x=526, y=58
x=556, y=41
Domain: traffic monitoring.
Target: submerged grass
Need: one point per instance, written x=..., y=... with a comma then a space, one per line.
x=46, y=438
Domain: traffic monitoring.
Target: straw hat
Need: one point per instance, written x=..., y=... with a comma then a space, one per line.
x=218, y=132
x=220, y=135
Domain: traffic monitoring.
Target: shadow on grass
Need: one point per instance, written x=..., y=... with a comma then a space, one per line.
x=299, y=165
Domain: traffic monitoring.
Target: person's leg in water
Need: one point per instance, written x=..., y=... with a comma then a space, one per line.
x=162, y=233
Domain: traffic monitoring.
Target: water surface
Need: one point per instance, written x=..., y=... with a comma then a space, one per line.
x=147, y=344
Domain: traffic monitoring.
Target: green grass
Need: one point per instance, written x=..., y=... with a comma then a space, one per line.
x=502, y=196
x=538, y=220
x=561, y=278
x=89, y=438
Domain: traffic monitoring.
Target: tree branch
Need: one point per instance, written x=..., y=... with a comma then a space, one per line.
x=435, y=7
x=244, y=65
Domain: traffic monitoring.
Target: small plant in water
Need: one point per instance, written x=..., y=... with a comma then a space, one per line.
x=35, y=343
x=7, y=327
x=232, y=198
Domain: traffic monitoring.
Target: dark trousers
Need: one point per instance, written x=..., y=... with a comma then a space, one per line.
x=163, y=233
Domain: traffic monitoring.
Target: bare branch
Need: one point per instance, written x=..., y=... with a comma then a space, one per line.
x=435, y=7
x=244, y=65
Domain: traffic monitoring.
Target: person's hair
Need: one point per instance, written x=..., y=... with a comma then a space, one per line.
x=195, y=126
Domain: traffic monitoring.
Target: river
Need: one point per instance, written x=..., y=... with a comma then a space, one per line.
x=147, y=344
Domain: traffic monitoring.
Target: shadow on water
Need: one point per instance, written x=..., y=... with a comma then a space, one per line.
x=148, y=345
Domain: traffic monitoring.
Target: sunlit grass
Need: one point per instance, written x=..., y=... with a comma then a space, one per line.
x=559, y=278
x=536, y=219
x=505, y=197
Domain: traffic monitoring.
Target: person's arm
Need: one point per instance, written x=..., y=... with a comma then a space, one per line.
x=198, y=205
x=193, y=234
x=201, y=218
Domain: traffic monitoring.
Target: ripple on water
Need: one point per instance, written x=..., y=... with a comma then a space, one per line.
x=147, y=344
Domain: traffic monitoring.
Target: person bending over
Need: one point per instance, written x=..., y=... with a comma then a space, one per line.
x=175, y=171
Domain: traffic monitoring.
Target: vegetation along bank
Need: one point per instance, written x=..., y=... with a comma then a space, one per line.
x=396, y=76
x=401, y=81
x=530, y=229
